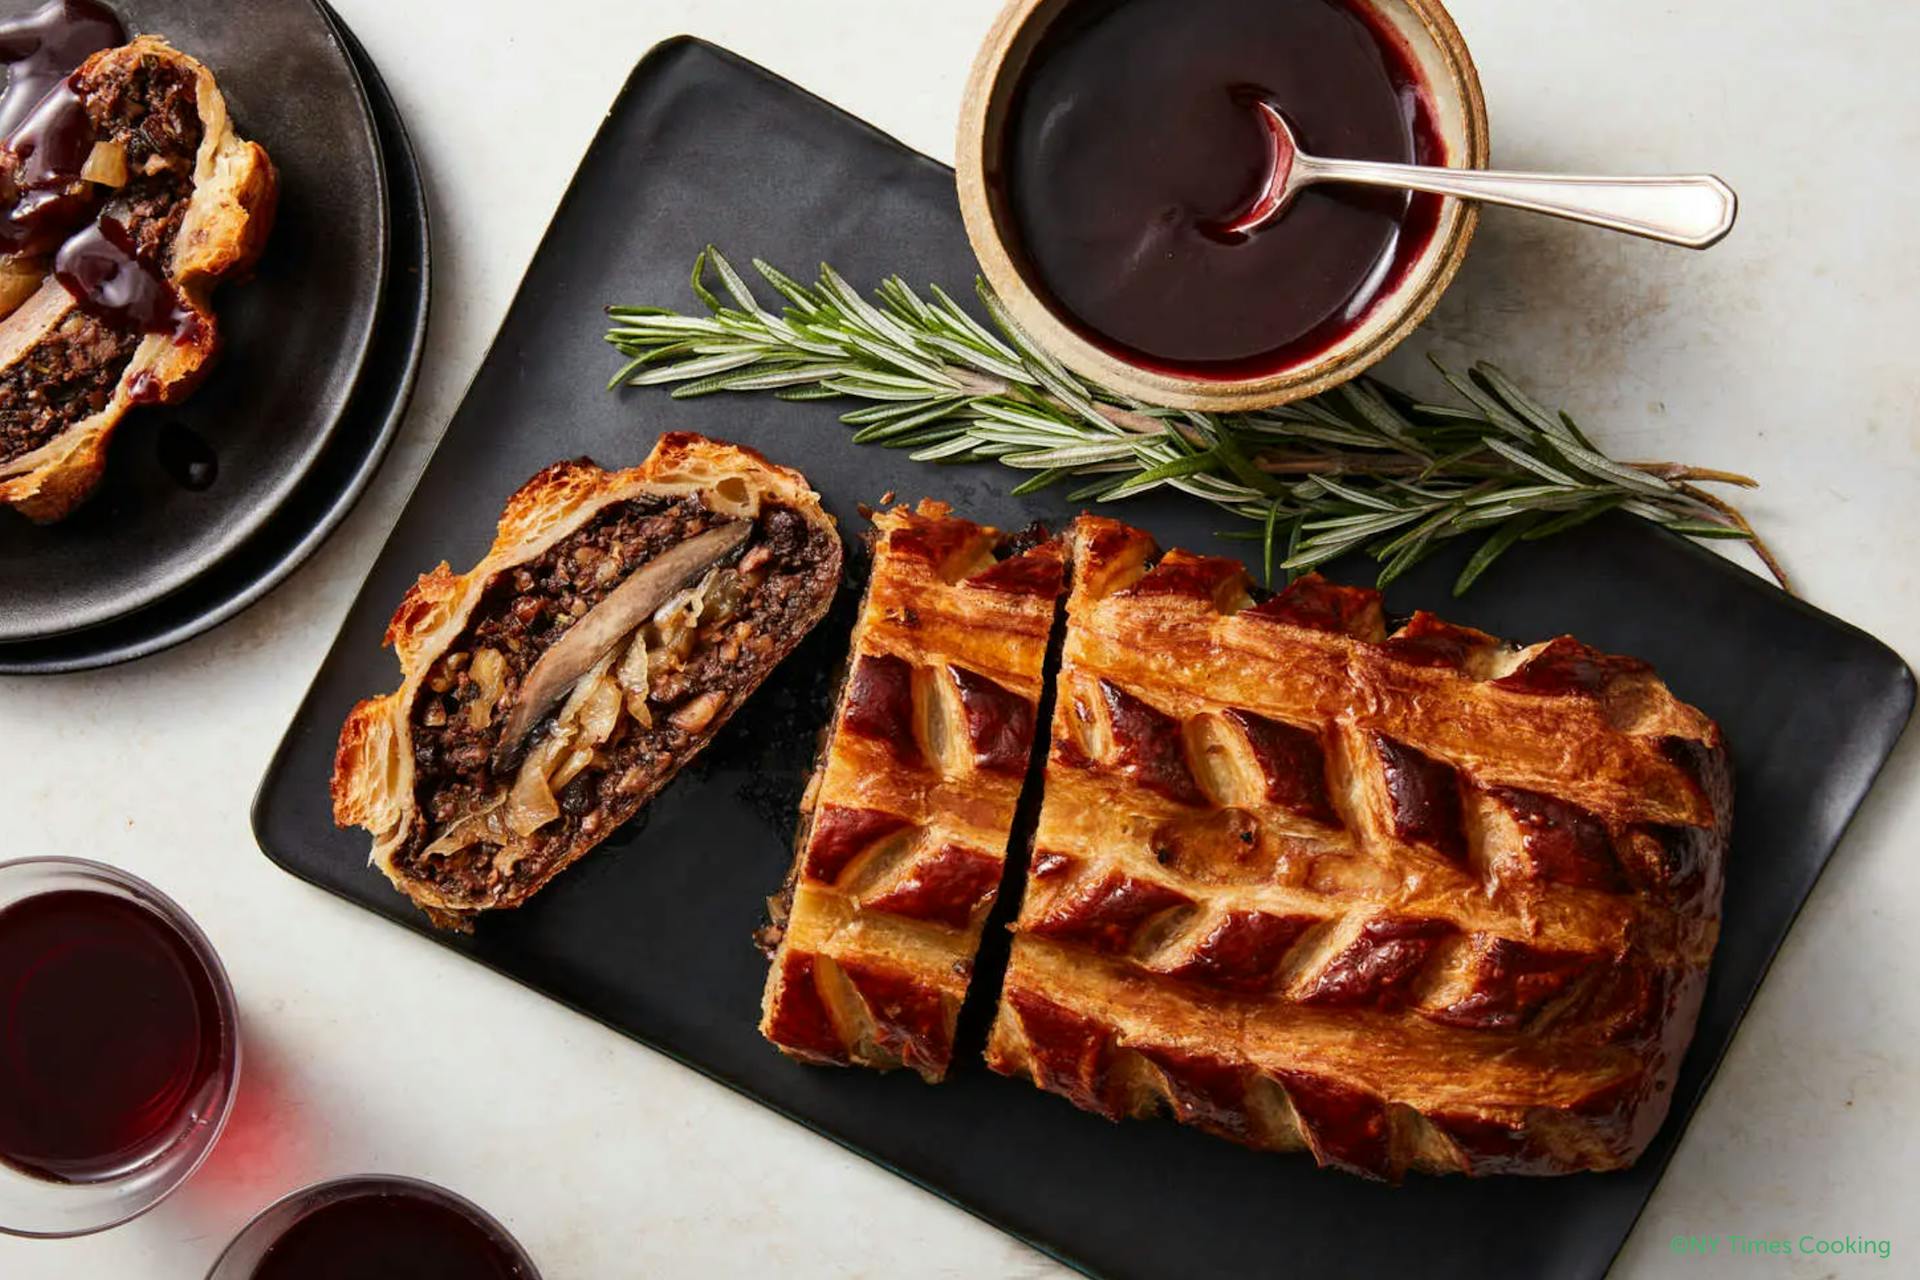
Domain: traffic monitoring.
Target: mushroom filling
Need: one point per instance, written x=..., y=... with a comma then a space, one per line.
x=67, y=377
x=146, y=112
x=655, y=682
x=146, y=119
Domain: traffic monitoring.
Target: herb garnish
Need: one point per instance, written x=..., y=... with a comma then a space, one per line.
x=1363, y=467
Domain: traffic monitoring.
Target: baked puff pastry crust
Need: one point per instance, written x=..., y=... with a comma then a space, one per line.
x=619, y=619
x=197, y=201
x=904, y=834
x=1409, y=901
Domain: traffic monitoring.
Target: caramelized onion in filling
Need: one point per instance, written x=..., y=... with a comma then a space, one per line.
x=632, y=718
x=146, y=119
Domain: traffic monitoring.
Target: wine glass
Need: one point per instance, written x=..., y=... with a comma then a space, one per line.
x=119, y=1047
x=374, y=1225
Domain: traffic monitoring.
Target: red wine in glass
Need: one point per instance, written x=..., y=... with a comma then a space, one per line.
x=110, y=1029
x=374, y=1225
x=389, y=1233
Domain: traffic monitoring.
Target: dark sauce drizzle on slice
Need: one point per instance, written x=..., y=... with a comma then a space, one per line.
x=44, y=120
x=43, y=47
x=49, y=136
x=104, y=271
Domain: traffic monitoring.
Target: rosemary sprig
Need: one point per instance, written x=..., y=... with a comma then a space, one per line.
x=1361, y=468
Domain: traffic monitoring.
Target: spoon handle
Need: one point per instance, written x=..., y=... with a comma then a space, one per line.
x=1695, y=211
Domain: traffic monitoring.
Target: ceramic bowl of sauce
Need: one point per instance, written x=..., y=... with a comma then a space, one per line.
x=1107, y=145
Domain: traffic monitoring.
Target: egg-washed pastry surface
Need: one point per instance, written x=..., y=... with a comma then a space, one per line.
x=1409, y=901
x=128, y=197
x=904, y=832
x=619, y=619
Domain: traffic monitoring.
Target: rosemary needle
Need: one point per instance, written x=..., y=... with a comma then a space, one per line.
x=1361, y=468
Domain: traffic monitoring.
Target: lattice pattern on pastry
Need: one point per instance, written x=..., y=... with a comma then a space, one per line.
x=1455, y=889
x=903, y=850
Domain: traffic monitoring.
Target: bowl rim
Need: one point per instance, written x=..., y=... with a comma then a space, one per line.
x=981, y=107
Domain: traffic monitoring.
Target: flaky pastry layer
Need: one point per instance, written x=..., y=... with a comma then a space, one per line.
x=1420, y=900
x=463, y=824
x=905, y=830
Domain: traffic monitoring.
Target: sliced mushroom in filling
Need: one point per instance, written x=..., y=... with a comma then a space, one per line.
x=649, y=690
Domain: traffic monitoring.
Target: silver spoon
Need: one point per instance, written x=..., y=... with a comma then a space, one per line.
x=1695, y=211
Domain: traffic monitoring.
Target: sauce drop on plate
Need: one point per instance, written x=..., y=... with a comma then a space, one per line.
x=187, y=458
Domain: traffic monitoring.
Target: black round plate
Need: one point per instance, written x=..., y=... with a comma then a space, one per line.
x=337, y=478
x=295, y=337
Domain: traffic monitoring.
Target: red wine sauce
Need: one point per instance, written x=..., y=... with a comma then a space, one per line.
x=44, y=122
x=1134, y=138
x=109, y=1029
x=385, y=1233
x=48, y=137
x=107, y=276
x=42, y=48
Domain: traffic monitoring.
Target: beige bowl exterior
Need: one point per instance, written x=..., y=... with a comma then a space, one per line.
x=1460, y=116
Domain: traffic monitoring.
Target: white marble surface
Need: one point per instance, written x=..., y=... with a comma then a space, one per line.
x=1787, y=353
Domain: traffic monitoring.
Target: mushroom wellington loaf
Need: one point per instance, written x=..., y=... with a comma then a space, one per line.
x=617, y=622
x=128, y=198
x=904, y=834
x=1412, y=900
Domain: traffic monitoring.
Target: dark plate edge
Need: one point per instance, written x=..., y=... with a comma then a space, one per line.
x=413, y=923
x=349, y=497
x=262, y=513
x=417, y=925
x=1888, y=737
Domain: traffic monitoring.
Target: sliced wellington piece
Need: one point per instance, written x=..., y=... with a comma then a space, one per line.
x=1408, y=900
x=619, y=620
x=173, y=201
x=904, y=833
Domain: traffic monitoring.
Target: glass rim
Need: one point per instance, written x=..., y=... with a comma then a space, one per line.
x=161, y=904
x=374, y=1183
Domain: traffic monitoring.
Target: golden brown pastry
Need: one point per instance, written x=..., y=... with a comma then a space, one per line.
x=619, y=620
x=184, y=202
x=1412, y=901
x=904, y=835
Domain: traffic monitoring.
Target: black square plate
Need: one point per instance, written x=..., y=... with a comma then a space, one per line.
x=650, y=935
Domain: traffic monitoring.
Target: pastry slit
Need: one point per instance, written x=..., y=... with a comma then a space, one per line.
x=908, y=821
x=990, y=965
x=1351, y=927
